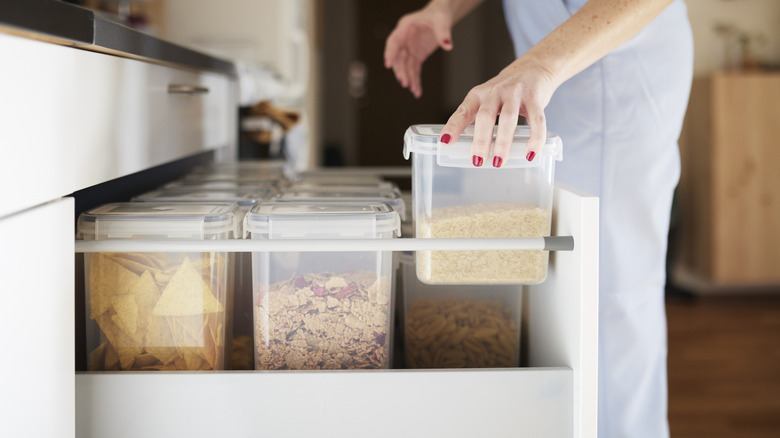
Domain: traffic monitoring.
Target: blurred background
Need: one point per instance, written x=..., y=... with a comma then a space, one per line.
x=313, y=87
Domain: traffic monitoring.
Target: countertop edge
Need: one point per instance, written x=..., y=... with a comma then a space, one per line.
x=64, y=23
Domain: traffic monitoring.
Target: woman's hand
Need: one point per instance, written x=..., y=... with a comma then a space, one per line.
x=523, y=88
x=414, y=39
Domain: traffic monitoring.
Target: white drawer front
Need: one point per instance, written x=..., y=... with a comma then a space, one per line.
x=74, y=118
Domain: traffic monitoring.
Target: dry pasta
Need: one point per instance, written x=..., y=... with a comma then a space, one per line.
x=456, y=333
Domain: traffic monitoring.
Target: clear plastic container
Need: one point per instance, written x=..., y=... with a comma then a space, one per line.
x=323, y=310
x=454, y=199
x=343, y=177
x=242, y=309
x=458, y=326
x=155, y=310
x=268, y=168
x=201, y=185
x=390, y=196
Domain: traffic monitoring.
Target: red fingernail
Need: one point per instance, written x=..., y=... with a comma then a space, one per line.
x=445, y=139
x=476, y=160
x=447, y=42
x=497, y=161
x=530, y=156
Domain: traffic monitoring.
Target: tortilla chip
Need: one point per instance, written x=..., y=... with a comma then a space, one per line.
x=186, y=294
x=97, y=357
x=126, y=314
x=192, y=359
x=159, y=341
x=125, y=346
x=145, y=360
x=187, y=330
x=112, y=358
x=107, y=278
x=146, y=295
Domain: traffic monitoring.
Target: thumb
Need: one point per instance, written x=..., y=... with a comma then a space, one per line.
x=443, y=36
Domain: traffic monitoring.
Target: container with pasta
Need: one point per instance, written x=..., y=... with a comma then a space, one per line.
x=458, y=326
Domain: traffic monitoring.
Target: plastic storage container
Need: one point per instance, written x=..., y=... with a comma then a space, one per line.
x=323, y=310
x=454, y=199
x=242, y=309
x=154, y=310
x=268, y=168
x=200, y=185
x=458, y=326
x=390, y=196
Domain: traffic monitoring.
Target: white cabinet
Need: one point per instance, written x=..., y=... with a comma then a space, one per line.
x=74, y=118
x=36, y=322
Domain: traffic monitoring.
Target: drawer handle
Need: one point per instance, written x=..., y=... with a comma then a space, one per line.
x=187, y=89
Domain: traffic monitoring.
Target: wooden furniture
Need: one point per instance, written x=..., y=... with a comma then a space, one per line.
x=730, y=185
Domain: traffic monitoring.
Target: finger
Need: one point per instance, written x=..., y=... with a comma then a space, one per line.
x=461, y=118
x=443, y=35
x=415, y=68
x=507, y=123
x=483, y=131
x=394, y=45
x=400, y=68
x=537, y=123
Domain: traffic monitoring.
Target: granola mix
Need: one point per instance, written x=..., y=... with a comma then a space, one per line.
x=324, y=321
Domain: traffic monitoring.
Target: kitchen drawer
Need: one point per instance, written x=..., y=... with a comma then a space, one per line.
x=75, y=118
x=555, y=396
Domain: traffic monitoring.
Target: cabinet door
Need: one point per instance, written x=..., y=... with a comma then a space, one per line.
x=37, y=384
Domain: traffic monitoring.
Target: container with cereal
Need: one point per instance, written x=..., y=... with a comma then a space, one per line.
x=454, y=199
x=458, y=326
x=323, y=310
x=158, y=310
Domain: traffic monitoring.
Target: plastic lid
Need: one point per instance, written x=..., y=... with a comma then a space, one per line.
x=197, y=185
x=160, y=220
x=258, y=176
x=390, y=196
x=424, y=139
x=340, y=186
x=244, y=198
x=324, y=220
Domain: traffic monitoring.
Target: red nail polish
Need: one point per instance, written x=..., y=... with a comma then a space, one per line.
x=497, y=162
x=476, y=160
x=447, y=42
x=530, y=156
x=445, y=139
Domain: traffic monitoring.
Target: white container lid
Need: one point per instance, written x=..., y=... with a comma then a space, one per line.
x=390, y=196
x=160, y=220
x=424, y=139
x=244, y=198
x=339, y=185
x=196, y=185
x=232, y=176
x=323, y=220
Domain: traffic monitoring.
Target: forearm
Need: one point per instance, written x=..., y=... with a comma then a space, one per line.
x=596, y=29
x=456, y=8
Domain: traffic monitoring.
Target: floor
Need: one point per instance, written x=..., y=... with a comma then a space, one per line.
x=724, y=365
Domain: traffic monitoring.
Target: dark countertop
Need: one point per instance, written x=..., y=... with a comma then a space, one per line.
x=64, y=23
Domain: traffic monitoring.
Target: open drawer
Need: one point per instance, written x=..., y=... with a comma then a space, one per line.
x=554, y=396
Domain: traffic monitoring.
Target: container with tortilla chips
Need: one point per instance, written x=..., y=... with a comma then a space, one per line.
x=246, y=199
x=323, y=310
x=158, y=310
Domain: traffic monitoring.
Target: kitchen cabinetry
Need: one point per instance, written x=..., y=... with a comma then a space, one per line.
x=730, y=187
x=71, y=137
